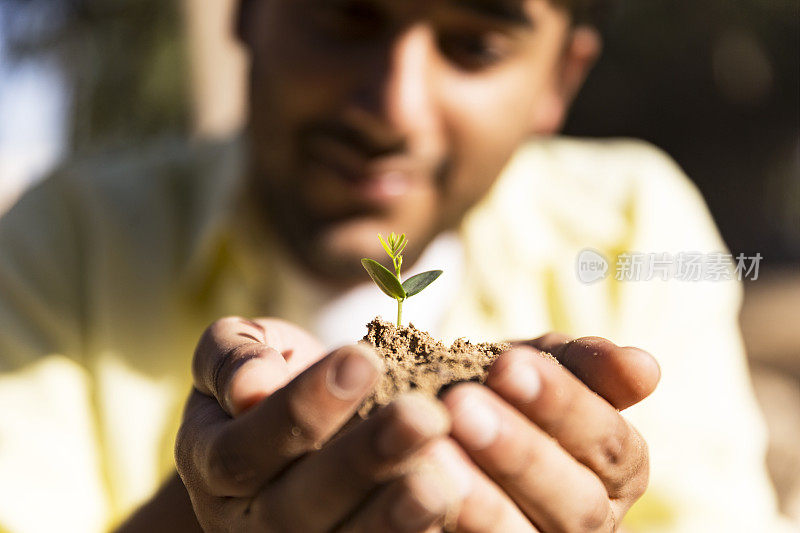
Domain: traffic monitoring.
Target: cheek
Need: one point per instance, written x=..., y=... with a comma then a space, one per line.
x=282, y=89
x=486, y=119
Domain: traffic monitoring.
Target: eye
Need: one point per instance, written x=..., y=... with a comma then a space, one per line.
x=348, y=19
x=475, y=51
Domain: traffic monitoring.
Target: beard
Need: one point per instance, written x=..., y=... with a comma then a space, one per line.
x=330, y=247
x=326, y=228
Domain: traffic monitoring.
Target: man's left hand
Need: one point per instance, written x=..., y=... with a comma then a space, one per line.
x=545, y=443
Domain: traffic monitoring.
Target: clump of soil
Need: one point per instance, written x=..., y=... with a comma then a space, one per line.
x=416, y=361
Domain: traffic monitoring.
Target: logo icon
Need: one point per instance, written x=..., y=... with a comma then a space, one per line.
x=591, y=266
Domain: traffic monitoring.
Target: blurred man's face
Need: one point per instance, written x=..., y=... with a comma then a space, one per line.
x=375, y=116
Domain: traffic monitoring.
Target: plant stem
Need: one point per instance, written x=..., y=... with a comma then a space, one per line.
x=399, y=302
x=399, y=312
x=398, y=260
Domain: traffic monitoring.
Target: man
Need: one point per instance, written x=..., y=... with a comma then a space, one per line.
x=371, y=116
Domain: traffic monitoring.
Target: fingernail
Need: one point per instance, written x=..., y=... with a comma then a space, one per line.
x=419, y=418
x=421, y=503
x=475, y=423
x=520, y=382
x=355, y=370
x=255, y=379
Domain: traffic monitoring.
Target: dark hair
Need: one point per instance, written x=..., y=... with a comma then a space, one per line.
x=595, y=13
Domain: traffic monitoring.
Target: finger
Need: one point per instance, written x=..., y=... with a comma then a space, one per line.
x=623, y=375
x=485, y=507
x=240, y=361
x=239, y=456
x=554, y=490
x=414, y=503
x=336, y=480
x=582, y=422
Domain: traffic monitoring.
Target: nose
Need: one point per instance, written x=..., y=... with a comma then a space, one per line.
x=399, y=91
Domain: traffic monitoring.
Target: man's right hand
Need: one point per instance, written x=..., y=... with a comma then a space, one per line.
x=255, y=450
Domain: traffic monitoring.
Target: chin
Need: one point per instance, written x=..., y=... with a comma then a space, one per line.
x=339, y=248
x=347, y=242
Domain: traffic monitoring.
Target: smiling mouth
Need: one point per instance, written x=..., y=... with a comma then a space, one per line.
x=363, y=176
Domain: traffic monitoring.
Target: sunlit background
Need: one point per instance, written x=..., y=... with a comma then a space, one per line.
x=714, y=83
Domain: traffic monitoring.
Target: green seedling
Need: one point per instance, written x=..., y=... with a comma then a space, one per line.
x=391, y=283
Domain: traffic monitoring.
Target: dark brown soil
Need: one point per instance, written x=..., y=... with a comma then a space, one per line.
x=416, y=361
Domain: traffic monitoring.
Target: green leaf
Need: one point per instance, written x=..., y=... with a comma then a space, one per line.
x=385, y=280
x=402, y=245
x=415, y=284
x=385, y=246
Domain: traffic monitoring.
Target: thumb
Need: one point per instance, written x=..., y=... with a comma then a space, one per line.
x=623, y=375
x=240, y=361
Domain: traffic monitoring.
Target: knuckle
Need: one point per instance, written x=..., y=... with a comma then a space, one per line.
x=598, y=515
x=613, y=451
x=627, y=478
x=614, y=459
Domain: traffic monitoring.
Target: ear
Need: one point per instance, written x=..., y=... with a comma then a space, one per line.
x=580, y=53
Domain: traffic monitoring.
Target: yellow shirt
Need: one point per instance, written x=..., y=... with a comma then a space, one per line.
x=111, y=269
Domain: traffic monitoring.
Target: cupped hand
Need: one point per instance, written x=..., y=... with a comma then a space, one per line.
x=545, y=443
x=256, y=449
